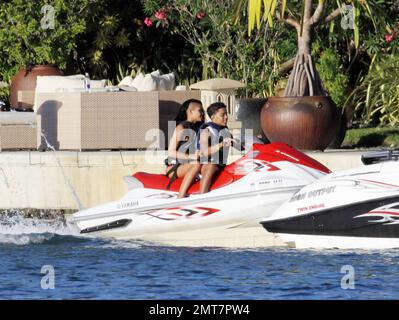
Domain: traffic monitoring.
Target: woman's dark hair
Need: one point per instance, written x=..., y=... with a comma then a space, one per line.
x=214, y=107
x=182, y=114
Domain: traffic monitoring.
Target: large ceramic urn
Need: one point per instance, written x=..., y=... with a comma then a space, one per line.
x=25, y=80
x=308, y=123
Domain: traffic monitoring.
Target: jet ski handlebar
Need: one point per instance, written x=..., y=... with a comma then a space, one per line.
x=380, y=156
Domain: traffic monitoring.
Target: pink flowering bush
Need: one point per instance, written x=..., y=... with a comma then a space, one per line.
x=226, y=52
x=161, y=15
x=148, y=22
x=391, y=36
x=201, y=15
x=388, y=38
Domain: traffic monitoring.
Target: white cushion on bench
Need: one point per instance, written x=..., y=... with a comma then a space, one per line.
x=11, y=117
x=51, y=84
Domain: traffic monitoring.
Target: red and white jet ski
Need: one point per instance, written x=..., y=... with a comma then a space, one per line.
x=246, y=191
x=352, y=209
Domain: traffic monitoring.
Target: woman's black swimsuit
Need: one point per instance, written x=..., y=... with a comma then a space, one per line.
x=187, y=145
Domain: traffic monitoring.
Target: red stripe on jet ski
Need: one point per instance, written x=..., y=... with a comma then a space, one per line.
x=277, y=151
x=383, y=212
x=191, y=213
x=209, y=211
x=378, y=182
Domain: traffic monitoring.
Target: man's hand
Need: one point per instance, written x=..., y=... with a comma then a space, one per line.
x=227, y=142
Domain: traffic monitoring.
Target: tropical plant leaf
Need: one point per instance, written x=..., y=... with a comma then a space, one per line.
x=283, y=6
x=258, y=8
x=238, y=4
x=255, y=12
x=356, y=26
x=271, y=13
x=377, y=94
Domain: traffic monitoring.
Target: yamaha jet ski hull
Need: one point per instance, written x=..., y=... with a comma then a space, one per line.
x=244, y=192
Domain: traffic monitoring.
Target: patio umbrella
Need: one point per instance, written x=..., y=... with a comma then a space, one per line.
x=218, y=84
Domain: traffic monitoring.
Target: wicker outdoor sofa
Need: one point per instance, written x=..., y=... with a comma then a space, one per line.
x=106, y=120
x=93, y=121
x=17, y=131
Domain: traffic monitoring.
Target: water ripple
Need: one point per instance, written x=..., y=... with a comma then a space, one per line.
x=90, y=268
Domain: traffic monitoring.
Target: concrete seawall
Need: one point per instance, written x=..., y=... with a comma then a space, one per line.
x=45, y=180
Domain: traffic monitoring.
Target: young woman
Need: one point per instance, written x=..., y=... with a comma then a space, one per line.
x=214, y=142
x=183, y=158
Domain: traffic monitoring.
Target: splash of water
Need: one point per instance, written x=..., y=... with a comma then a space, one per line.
x=15, y=228
x=67, y=181
x=5, y=178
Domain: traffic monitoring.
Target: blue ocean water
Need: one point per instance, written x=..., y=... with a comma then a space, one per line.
x=90, y=268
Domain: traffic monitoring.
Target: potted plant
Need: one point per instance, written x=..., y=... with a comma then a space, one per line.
x=37, y=39
x=305, y=117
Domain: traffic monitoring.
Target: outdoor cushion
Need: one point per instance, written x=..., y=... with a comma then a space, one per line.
x=153, y=81
x=169, y=80
x=165, y=81
x=162, y=84
x=181, y=88
x=149, y=83
x=51, y=84
x=75, y=76
x=127, y=88
x=48, y=84
x=13, y=117
x=137, y=80
x=126, y=81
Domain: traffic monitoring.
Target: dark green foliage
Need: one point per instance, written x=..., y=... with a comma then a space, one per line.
x=24, y=40
x=225, y=48
x=372, y=137
x=108, y=39
x=331, y=72
x=116, y=36
x=376, y=98
x=94, y=36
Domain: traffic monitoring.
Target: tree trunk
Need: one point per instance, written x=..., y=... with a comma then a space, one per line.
x=304, y=79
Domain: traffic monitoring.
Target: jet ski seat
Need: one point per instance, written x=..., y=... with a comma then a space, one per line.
x=264, y=156
x=160, y=181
